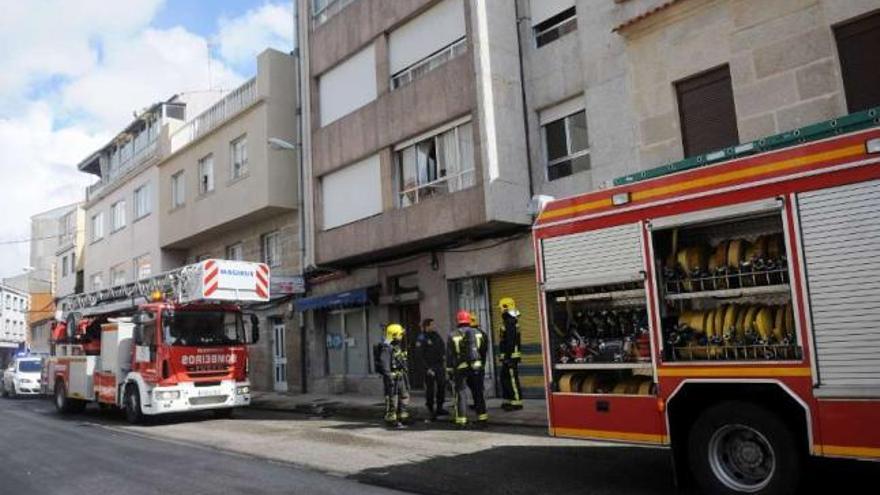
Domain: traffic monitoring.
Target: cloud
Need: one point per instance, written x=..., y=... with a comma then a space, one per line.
x=242, y=38
x=143, y=69
x=70, y=78
x=52, y=39
x=39, y=173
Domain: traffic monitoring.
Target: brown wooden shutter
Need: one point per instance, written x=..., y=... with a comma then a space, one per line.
x=858, y=43
x=707, y=112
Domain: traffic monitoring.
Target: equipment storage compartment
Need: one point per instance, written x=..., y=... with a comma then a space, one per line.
x=724, y=290
x=599, y=340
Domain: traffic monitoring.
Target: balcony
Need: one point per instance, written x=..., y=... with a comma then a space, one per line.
x=119, y=167
x=231, y=105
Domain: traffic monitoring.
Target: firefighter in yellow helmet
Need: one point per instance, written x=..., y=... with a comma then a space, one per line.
x=466, y=360
x=510, y=355
x=391, y=362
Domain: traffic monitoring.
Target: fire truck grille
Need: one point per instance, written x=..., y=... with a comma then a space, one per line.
x=204, y=401
x=208, y=370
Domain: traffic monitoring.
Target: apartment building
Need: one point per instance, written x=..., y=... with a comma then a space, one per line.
x=69, y=262
x=407, y=162
x=432, y=124
x=14, y=307
x=224, y=192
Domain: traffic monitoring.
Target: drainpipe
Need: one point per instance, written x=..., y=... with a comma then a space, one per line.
x=522, y=87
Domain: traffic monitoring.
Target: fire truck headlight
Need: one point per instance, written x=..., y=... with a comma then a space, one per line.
x=243, y=390
x=167, y=395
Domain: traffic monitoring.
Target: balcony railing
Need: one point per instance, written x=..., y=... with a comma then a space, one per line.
x=231, y=104
x=139, y=156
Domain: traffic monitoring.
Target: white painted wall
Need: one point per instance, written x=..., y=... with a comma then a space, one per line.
x=353, y=193
x=409, y=43
x=348, y=86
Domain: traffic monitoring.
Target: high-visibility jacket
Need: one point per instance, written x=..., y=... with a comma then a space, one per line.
x=510, y=337
x=467, y=349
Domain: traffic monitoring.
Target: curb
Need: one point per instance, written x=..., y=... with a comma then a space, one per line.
x=339, y=409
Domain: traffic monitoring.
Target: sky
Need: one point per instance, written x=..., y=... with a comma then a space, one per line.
x=72, y=74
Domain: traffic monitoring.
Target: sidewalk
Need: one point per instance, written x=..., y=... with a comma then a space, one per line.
x=534, y=412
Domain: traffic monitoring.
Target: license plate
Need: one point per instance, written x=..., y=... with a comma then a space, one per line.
x=207, y=392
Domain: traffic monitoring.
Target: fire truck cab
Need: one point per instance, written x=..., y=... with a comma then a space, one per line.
x=726, y=307
x=184, y=349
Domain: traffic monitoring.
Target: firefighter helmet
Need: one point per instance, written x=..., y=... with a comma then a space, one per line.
x=394, y=331
x=506, y=303
x=463, y=318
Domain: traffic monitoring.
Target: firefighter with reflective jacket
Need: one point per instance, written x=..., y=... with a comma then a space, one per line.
x=391, y=363
x=431, y=353
x=510, y=355
x=466, y=358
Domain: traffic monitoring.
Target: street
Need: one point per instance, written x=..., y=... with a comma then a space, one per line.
x=270, y=452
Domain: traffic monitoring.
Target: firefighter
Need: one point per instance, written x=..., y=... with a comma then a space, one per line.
x=510, y=355
x=431, y=353
x=391, y=364
x=466, y=351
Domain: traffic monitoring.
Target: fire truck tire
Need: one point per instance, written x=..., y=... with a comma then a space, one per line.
x=739, y=447
x=63, y=403
x=133, y=412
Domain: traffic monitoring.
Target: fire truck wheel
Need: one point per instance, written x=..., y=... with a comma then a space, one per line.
x=739, y=447
x=133, y=412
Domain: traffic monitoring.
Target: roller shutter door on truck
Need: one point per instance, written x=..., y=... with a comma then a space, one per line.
x=840, y=231
x=521, y=286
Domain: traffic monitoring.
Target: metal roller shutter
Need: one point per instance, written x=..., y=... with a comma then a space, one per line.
x=522, y=288
x=593, y=258
x=840, y=231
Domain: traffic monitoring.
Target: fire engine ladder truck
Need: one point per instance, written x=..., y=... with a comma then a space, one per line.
x=174, y=285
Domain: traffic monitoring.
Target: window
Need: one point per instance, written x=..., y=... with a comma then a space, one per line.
x=858, y=43
x=142, y=204
x=67, y=228
x=117, y=275
x=178, y=190
x=443, y=163
x=64, y=266
x=206, y=174
x=97, y=281
x=707, y=113
x=411, y=54
x=352, y=193
x=239, y=157
x=272, y=249
x=98, y=227
x=142, y=267
x=235, y=252
x=348, y=86
x=566, y=141
x=555, y=27
x=72, y=263
x=117, y=216
x=325, y=9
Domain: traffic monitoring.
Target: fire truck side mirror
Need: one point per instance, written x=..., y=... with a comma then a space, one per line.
x=255, y=329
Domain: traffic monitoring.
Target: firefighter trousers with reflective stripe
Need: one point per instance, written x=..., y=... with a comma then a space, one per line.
x=435, y=388
x=396, y=398
x=510, y=387
x=472, y=380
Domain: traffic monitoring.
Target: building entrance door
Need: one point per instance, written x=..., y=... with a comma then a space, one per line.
x=411, y=319
x=279, y=357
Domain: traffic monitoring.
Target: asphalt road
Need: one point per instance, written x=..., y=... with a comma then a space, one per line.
x=263, y=452
x=43, y=453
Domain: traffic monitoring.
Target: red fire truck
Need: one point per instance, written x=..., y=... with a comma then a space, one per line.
x=172, y=343
x=727, y=307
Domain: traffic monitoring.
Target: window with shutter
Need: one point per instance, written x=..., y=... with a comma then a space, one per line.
x=858, y=43
x=707, y=112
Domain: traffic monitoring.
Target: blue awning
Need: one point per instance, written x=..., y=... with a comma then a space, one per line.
x=347, y=299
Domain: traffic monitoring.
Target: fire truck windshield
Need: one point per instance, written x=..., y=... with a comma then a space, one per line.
x=204, y=328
